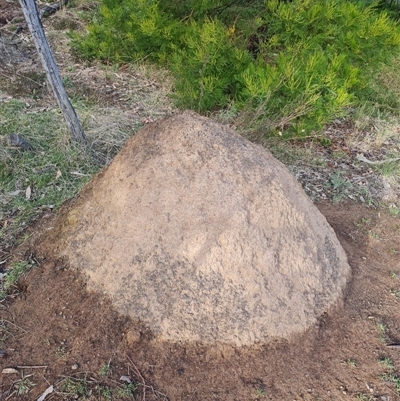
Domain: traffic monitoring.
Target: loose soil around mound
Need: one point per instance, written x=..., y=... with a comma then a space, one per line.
x=55, y=323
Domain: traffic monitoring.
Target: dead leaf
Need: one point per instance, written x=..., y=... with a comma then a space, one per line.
x=14, y=193
x=58, y=175
x=28, y=193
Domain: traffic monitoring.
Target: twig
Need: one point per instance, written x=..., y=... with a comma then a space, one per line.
x=139, y=375
x=13, y=324
x=16, y=32
x=397, y=345
x=362, y=158
x=14, y=392
x=31, y=367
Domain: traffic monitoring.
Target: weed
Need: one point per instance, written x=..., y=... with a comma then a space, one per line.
x=127, y=391
x=350, y=362
x=105, y=393
x=390, y=169
x=382, y=330
x=12, y=276
x=394, y=379
x=338, y=181
x=386, y=362
x=394, y=211
x=363, y=397
x=67, y=82
x=260, y=392
x=394, y=292
x=363, y=222
x=106, y=369
x=61, y=350
x=374, y=235
x=23, y=385
x=75, y=387
x=394, y=275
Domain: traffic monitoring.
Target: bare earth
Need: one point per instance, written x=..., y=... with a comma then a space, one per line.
x=54, y=329
x=56, y=323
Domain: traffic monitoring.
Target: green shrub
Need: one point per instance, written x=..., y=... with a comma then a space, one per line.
x=207, y=66
x=286, y=66
x=129, y=31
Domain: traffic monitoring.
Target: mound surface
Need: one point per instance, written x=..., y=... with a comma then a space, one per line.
x=203, y=236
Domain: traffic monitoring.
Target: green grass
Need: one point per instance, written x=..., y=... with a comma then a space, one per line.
x=106, y=369
x=390, y=169
x=75, y=388
x=54, y=170
x=363, y=397
x=394, y=379
x=127, y=391
x=11, y=277
x=394, y=211
x=23, y=386
x=101, y=388
x=382, y=331
x=386, y=362
x=61, y=350
x=105, y=392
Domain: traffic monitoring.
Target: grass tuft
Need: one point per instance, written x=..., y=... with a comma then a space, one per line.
x=36, y=181
x=23, y=386
x=11, y=277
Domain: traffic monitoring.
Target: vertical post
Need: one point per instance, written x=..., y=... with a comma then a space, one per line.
x=53, y=76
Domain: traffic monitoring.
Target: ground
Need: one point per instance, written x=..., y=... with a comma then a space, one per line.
x=57, y=330
x=55, y=333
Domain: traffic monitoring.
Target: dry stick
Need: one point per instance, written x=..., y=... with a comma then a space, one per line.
x=31, y=367
x=376, y=163
x=35, y=26
x=139, y=375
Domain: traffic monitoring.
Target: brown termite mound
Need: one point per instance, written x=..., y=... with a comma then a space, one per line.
x=203, y=236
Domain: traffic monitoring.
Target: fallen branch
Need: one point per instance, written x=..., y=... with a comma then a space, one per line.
x=137, y=372
x=144, y=385
x=362, y=158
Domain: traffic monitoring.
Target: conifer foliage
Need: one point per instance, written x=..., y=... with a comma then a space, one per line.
x=289, y=66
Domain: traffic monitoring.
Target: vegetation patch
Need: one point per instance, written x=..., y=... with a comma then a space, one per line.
x=285, y=68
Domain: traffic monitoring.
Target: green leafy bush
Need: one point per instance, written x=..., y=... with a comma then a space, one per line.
x=285, y=66
x=207, y=66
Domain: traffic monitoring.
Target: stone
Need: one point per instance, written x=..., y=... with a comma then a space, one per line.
x=202, y=236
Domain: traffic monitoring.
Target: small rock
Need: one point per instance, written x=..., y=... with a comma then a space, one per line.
x=75, y=366
x=126, y=379
x=9, y=371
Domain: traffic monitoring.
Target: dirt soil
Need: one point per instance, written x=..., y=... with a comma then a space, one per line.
x=56, y=329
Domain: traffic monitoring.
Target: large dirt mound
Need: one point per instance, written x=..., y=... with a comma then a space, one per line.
x=203, y=236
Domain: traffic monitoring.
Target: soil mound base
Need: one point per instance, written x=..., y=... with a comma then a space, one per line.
x=204, y=236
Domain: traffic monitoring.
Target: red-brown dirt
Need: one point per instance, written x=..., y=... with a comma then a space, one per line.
x=54, y=322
